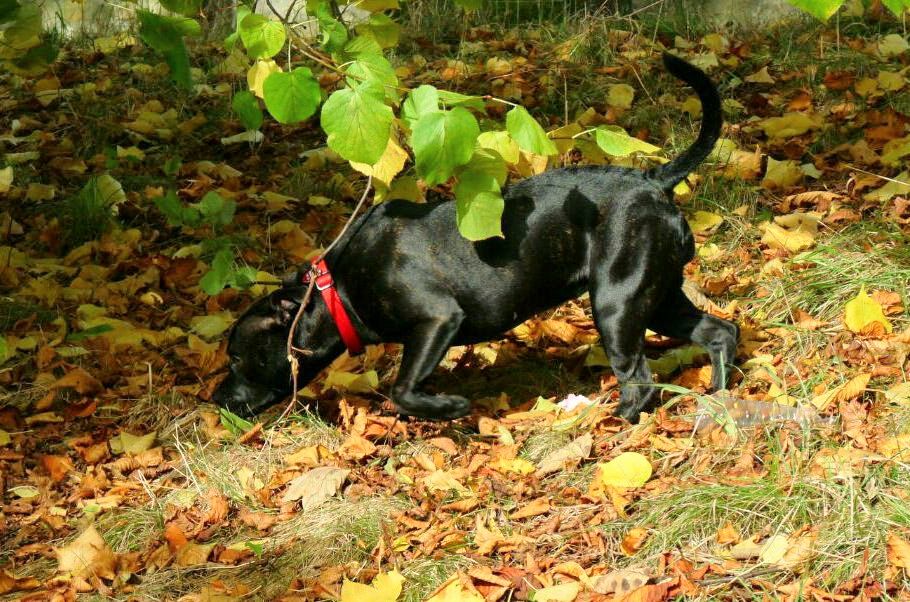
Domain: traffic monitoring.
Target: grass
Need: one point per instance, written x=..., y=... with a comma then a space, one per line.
x=851, y=515
x=821, y=281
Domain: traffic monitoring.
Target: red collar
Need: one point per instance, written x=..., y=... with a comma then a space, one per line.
x=326, y=285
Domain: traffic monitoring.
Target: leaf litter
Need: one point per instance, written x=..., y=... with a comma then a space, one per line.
x=117, y=481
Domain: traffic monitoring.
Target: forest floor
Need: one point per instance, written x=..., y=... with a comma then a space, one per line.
x=120, y=481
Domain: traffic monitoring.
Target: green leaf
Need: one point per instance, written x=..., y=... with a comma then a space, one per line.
x=469, y=4
x=254, y=546
x=243, y=278
x=187, y=8
x=502, y=143
x=176, y=213
x=614, y=140
x=94, y=331
x=234, y=423
x=897, y=6
x=291, y=97
x=382, y=29
x=820, y=9
x=4, y=350
x=165, y=35
x=525, y=130
x=216, y=210
x=247, y=108
x=442, y=141
x=8, y=9
x=490, y=162
x=420, y=101
x=334, y=33
x=214, y=281
x=454, y=99
x=358, y=122
x=374, y=6
x=241, y=14
x=478, y=205
x=362, y=45
x=374, y=68
x=262, y=37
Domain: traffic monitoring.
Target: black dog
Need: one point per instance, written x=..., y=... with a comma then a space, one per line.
x=406, y=275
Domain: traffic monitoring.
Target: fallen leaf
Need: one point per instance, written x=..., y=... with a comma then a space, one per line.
x=386, y=587
x=628, y=469
x=315, y=486
x=898, y=550
x=577, y=450
x=620, y=582
x=564, y=592
x=862, y=312
x=87, y=555
x=633, y=540
x=791, y=124
x=456, y=591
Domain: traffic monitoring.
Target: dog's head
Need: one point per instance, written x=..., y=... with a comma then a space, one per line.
x=260, y=374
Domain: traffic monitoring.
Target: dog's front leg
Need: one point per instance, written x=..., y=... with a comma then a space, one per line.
x=423, y=350
x=621, y=311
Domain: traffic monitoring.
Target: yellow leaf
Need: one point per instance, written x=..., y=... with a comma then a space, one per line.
x=40, y=192
x=620, y=96
x=211, y=325
x=455, y=591
x=899, y=393
x=866, y=86
x=6, y=179
x=388, y=166
x=862, y=311
x=791, y=124
x=782, y=174
x=760, y=77
x=794, y=232
x=890, y=81
x=704, y=221
x=516, y=465
x=770, y=551
x=564, y=592
x=444, y=481
x=628, y=469
x=255, y=77
x=896, y=449
x=355, y=383
x=892, y=45
x=127, y=443
x=896, y=186
x=386, y=587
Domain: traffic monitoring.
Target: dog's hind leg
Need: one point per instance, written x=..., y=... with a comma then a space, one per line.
x=677, y=317
x=423, y=350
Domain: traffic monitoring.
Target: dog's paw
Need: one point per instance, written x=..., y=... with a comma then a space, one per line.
x=433, y=407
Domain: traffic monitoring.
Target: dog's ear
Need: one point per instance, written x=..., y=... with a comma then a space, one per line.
x=291, y=279
x=286, y=301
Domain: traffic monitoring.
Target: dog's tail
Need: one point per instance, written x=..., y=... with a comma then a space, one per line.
x=670, y=174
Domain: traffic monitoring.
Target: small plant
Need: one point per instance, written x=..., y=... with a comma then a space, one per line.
x=215, y=212
x=90, y=213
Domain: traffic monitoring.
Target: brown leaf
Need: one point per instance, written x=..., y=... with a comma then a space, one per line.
x=356, y=447
x=649, y=593
x=633, y=540
x=57, y=467
x=575, y=451
x=10, y=583
x=87, y=555
x=193, y=554
x=217, y=507
x=79, y=380
x=174, y=536
x=534, y=508
x=727, y=534
x=898, y=551
x=854, y=387
x=620, y=582
x=315, y=486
